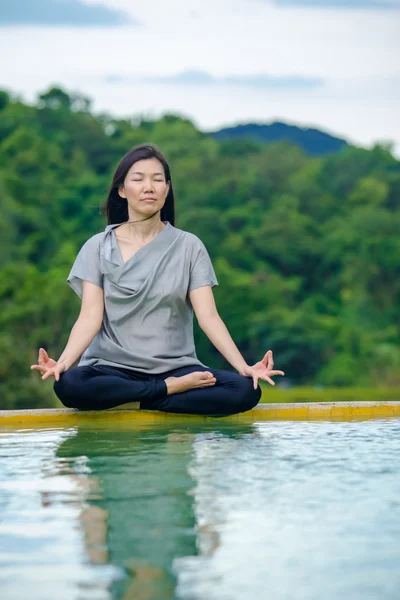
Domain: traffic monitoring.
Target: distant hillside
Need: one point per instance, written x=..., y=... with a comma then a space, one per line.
x=313, y=141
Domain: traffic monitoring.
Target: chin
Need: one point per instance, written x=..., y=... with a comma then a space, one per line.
x=152, y=211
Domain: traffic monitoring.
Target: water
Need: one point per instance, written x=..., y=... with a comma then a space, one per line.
x=275, y=510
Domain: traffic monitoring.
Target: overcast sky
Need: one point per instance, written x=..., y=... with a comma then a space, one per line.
x=331, y=64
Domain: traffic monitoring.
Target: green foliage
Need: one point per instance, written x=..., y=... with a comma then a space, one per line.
x=306, y=249
x=335, y=394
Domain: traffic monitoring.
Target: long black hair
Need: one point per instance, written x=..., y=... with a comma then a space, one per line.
x=116, y=208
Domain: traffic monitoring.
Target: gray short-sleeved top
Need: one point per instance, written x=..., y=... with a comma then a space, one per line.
x=148, y=318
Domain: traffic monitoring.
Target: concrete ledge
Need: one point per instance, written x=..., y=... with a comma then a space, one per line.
x=129, y=415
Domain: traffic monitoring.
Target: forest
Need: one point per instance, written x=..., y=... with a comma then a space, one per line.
x=306, y=248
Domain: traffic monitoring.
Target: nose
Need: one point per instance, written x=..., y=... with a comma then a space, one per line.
x=148, y=185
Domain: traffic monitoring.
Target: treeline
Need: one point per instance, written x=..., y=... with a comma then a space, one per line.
x=306, y=250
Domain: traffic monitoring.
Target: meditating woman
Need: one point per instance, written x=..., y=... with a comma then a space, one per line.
x=140, y=281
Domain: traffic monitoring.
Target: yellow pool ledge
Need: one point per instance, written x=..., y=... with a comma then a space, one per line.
x=129, y=414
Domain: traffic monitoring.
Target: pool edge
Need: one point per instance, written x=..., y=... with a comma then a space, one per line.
x=343, y=411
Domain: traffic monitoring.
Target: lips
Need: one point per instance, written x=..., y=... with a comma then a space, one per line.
x=148, y=199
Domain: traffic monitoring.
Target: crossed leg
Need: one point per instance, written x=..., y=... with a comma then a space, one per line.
x=231, y=394
x=102, y=387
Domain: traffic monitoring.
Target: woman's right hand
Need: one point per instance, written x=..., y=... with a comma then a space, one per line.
x=47, y=366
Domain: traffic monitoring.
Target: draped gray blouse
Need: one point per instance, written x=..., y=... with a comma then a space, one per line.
x=148, y=318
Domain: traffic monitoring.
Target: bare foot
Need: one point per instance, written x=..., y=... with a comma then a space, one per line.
x=187, y=382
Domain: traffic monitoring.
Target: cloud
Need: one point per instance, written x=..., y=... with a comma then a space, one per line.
x=260, y=82
x=60, y=12
x=340, y=4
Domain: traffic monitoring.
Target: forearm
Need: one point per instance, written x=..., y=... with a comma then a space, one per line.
x=82, y=334
x=218, y=334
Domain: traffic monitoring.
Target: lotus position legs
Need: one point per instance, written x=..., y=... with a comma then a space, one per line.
x=189, y=390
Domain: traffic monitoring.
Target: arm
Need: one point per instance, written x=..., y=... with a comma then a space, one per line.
x=202, y=300
x=202, y=278
x=82, y=333
x=86, y=326
x=203, y=303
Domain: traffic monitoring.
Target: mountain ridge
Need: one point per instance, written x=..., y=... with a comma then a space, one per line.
x=312, y=140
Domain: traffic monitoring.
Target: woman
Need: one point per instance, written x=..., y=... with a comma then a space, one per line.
x=140, y=281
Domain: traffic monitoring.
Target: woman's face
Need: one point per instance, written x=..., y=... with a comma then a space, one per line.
x=145, y=187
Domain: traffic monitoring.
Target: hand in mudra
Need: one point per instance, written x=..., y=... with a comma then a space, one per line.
x=262, y=370
x=47, y=366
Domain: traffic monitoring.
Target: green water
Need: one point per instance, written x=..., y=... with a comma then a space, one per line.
x=282, y=510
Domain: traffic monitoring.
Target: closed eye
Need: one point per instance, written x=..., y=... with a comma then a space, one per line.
x=158, y=180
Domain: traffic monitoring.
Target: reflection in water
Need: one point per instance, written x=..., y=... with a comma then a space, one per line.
x=215, y=510
x=91, y=520
x=299, y=510
x=95, y=513
x=145, y=492
x=220, y=468
x=44, y=503
x=144, y=480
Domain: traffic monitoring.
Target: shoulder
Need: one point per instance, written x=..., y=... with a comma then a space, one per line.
x=190, y=240
x=93, y=243
x=195, y=251
x=95, y=239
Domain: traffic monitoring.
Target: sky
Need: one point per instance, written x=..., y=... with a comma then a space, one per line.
x=330, y=64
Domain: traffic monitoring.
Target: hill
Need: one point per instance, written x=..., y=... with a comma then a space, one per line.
x=312, y=141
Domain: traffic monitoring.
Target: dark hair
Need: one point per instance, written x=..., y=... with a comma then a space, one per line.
x=116, y=208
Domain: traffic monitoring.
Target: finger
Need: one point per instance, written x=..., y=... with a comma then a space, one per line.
x=57, y=374
x=44, y=357
x=272, y=373
x=50, y=372
x=266, y=378
x=38, y=368
x=266, y=358
x=255, y=382
x=271, y=361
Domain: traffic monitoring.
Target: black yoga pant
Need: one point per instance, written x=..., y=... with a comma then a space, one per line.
x=101, y=387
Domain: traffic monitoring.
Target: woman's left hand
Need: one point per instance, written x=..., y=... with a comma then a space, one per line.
x=262, y=370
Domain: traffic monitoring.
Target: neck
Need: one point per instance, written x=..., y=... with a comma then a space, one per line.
x=145, y=227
